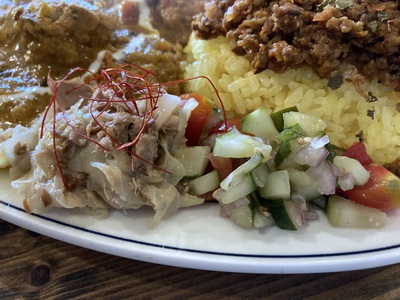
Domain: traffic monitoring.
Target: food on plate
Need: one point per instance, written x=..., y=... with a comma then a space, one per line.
x=360, y=104
x=152, y=118
x=381, y=191
x=37, y=37
x=354, y=40
x=115, y=147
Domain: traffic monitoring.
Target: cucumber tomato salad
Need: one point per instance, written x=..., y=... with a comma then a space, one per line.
x=279, y=168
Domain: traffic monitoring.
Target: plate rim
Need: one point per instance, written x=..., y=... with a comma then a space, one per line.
x=198, y=259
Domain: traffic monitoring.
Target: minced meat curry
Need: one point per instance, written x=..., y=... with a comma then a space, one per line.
x=357, y=39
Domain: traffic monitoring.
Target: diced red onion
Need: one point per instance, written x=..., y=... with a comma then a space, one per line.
x=226, y=209
x=319, y=142
x=337, y=171
x=311, y=156
x=296, y=214
x=311, y=214
x=299, y=200
x=346, y=182
x=325, y=176
x=314, y=153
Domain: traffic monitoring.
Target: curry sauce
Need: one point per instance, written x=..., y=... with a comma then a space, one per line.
x=42, y=37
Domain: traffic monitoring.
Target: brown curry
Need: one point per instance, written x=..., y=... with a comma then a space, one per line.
x=37, y=37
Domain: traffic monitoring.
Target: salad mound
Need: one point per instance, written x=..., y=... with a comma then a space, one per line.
x=115, y=140
x=291, y=168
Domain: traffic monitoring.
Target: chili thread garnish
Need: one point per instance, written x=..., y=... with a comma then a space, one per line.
x=129, y=85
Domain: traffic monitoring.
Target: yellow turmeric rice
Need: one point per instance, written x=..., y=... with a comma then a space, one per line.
x=344, y=110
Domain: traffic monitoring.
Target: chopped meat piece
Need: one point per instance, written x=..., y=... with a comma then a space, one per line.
x=173, y=18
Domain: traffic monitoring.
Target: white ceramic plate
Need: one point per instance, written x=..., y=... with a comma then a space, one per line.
x=199, y=238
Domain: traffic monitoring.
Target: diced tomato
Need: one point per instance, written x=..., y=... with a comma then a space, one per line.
x=198, y=118
x=358, y=152
x=225, y=126
x=222, y=164
x=382, y=191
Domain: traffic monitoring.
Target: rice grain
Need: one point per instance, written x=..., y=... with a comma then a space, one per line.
x=344, y=110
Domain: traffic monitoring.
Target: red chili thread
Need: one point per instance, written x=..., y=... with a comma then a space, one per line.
x=130, y=84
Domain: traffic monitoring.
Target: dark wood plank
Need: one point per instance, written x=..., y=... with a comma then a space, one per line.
x=37, y=267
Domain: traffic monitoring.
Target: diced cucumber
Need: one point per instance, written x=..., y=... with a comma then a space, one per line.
x=240, y=190
x=204, y=184
x=237, y=175
x=277, y=186
x=188, y=200
x=311, y=125
x=332, y=152
x=284, y=157
x=342, y=212
x=261, y=216
x=259, y=123
x=290, y=143
x=284, y=213
x=260, y=174
x=282, y=153
x=289, y=162
x=193, y=159
x=234, y=144
x=303, y=184
x=260, y=220
x=352, y=166
x=291, y=133
x=277, y=117
x=242, y=216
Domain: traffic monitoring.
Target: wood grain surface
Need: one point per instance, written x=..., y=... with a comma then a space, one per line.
x=38, y=267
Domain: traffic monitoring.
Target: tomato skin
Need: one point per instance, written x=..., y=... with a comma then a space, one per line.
x=222, y=164
x=382, y=191
x=358, y=152
x=198, y=118
x=225, y=126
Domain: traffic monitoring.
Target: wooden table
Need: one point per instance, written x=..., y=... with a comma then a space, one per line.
x=38, y=267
